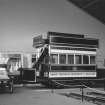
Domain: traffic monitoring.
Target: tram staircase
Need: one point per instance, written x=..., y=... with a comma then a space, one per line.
x=41, y=57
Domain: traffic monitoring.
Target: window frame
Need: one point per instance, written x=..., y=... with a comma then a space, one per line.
x=87, y=59
x=94, y=59
x=65, y=62
x=80, y=59
x=71, y=59
x=53, y=58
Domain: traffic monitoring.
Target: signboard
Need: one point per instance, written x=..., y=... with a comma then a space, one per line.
x=38, y=41
x=72, y=74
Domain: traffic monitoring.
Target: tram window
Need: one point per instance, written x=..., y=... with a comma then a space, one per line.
x=33, y=60
x=92, y=59
x=70, y=59
x=54, y=58
x=85, y=59
x=62, y=58
x=78, y=59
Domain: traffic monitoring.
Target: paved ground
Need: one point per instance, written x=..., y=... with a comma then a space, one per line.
x=32, y=95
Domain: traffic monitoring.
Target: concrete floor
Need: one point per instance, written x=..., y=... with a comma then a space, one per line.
x=38, y=95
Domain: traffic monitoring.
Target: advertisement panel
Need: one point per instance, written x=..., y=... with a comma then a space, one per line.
x=72, y=74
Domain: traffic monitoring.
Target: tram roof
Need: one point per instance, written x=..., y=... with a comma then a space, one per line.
x=65, y=34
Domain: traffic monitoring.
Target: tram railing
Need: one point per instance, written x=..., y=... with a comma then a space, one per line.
x=42, y=55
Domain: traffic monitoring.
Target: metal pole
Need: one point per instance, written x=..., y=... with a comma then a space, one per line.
x=52, y=87
x=52, y=91
x=82, y=93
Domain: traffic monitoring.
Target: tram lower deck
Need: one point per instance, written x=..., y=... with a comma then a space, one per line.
x=65, y=74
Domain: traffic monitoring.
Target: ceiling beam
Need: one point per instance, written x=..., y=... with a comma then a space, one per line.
x=90, y=4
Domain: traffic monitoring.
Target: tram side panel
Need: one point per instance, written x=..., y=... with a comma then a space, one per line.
x=63, y=71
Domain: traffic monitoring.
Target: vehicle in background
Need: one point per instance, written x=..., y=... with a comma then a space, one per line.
x=6, y=79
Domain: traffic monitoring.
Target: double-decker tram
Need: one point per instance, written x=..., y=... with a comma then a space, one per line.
x=65, y=58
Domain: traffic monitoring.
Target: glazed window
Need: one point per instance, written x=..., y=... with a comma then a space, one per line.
x=54, y=58
x=70, y=59
x=33, y=60
x=85, y=59
x=78, y=59
x=62, y=58
x=92, y=59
